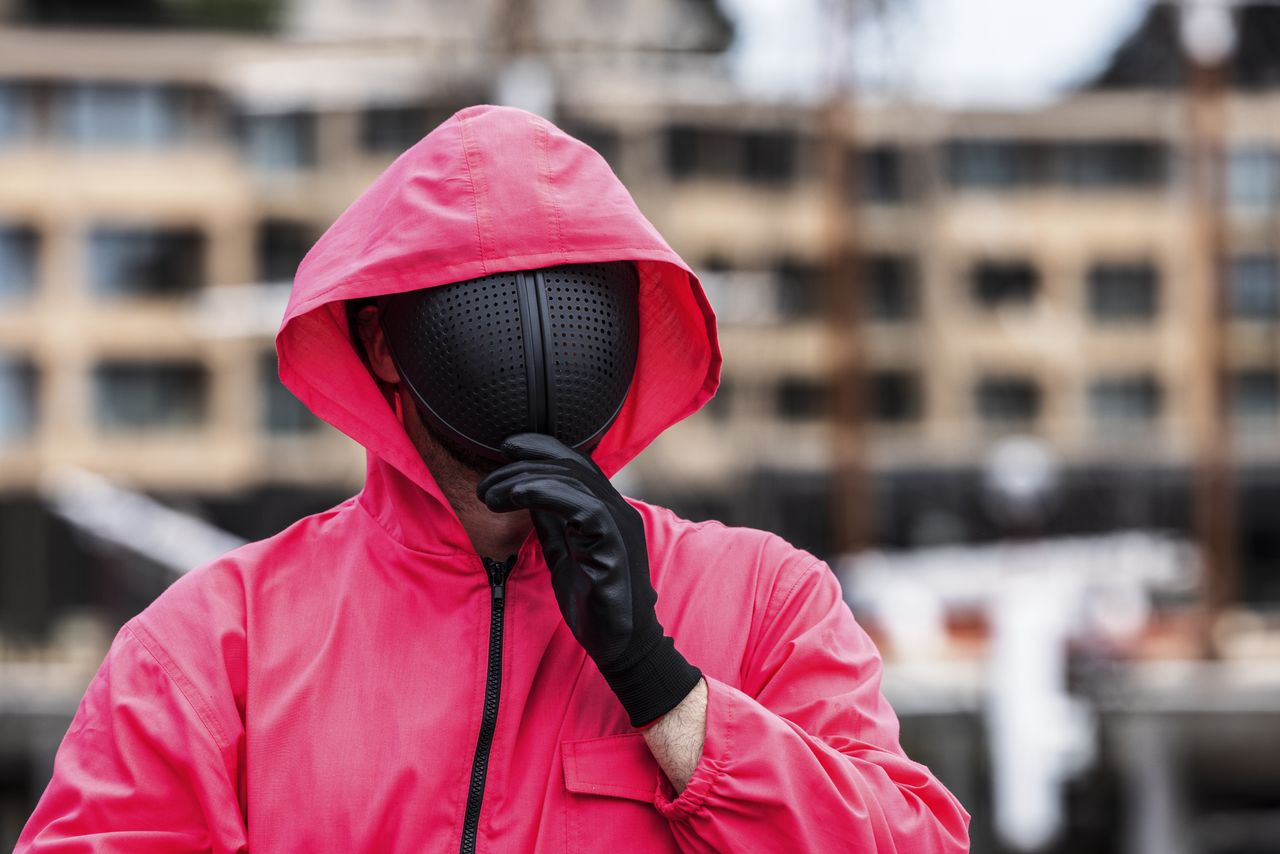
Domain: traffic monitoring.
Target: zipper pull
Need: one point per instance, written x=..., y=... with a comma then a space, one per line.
x=498, y=576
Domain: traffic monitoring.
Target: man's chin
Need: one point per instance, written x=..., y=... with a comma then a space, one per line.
x=477, y=464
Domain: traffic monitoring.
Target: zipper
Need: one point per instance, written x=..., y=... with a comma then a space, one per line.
x=497, y=573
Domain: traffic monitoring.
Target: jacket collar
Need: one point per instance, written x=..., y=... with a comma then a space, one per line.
x=417, y=519
x=421, y=520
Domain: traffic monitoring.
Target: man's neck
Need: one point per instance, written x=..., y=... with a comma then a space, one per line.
x=493, y=535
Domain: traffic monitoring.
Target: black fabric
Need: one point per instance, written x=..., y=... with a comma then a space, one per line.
x=551, y=350
x=594, y=544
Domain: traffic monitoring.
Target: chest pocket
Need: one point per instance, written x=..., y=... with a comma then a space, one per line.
x=611, y=783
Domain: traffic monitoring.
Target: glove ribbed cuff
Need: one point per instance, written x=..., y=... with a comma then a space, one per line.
x=655, y=683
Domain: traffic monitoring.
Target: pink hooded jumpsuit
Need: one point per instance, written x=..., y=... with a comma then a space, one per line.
x=323, y=690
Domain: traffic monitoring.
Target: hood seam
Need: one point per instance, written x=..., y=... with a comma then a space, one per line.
x=468, y=153
x=547, y=187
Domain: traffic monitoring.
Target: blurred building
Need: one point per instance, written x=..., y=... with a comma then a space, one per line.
x=160, y=186
x=1018, y=274
x=1030, y=273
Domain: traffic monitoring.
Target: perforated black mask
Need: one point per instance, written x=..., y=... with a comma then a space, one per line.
x=541, y=351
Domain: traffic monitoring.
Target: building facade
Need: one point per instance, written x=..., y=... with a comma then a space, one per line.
x=1032, y=273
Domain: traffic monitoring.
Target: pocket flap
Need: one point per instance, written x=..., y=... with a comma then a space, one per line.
x=619, y=766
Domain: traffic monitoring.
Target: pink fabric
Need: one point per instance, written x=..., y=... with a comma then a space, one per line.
x=321, y=690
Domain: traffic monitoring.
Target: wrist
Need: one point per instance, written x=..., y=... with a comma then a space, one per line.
x=676, y=739
x=653, y=684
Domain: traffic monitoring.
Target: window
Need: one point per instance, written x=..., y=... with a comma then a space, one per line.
x=279, y=142
x=1125, y=399
x=1111, y=164
x=682, y=151
x=1006, y=164
x=1122, y=292
x=1254, y=393
x=85, y=14
x=1253, y=178
x=889, y=283
x=993, y=163
x=110, y=114
x=879, y=175
x=17, y=398
x=801, y=399
x=799, y=289
x=282, y=413
x=281, y=245
x=721, y=406
x=1253, y=290
x=894, y=396
x=701, y=152
x=759, y=156
x=17, y=112
x=1001, y=283
x=391, y=130
x=768, y=156
x=18, y=245
x=749, y=297
x=1007, y=400
x=717, y=263
x=144, y=395
x=145, y=262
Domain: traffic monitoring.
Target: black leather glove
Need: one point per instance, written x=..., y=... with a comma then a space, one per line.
x=594, y=544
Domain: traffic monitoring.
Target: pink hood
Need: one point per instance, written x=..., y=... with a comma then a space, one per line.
x=492, y=189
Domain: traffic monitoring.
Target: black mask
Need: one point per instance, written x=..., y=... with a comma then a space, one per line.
x=535, y=351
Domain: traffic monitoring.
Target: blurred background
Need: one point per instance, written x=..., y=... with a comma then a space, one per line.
x=999, y=294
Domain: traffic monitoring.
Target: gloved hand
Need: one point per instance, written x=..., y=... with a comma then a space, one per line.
x=594, y=544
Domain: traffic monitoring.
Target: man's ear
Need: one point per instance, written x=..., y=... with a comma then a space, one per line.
x=375, y=345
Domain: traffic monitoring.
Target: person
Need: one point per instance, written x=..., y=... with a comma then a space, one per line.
x=488, y=648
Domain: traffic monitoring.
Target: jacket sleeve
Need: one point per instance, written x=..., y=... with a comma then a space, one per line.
x=144, y=766
x=805, y=756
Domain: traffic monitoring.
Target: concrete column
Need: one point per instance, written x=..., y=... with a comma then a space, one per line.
x=1156, y=814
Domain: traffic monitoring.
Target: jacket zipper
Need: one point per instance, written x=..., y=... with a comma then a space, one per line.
x=498, y=573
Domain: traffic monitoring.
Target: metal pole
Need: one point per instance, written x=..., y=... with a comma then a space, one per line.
x=1215, y=493
x=851, y=493
x=850, y=477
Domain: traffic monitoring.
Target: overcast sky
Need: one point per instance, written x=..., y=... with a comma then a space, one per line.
x=956, y=52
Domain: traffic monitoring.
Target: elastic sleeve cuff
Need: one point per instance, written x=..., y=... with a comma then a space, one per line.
x=717, y=748
x=654, y=685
